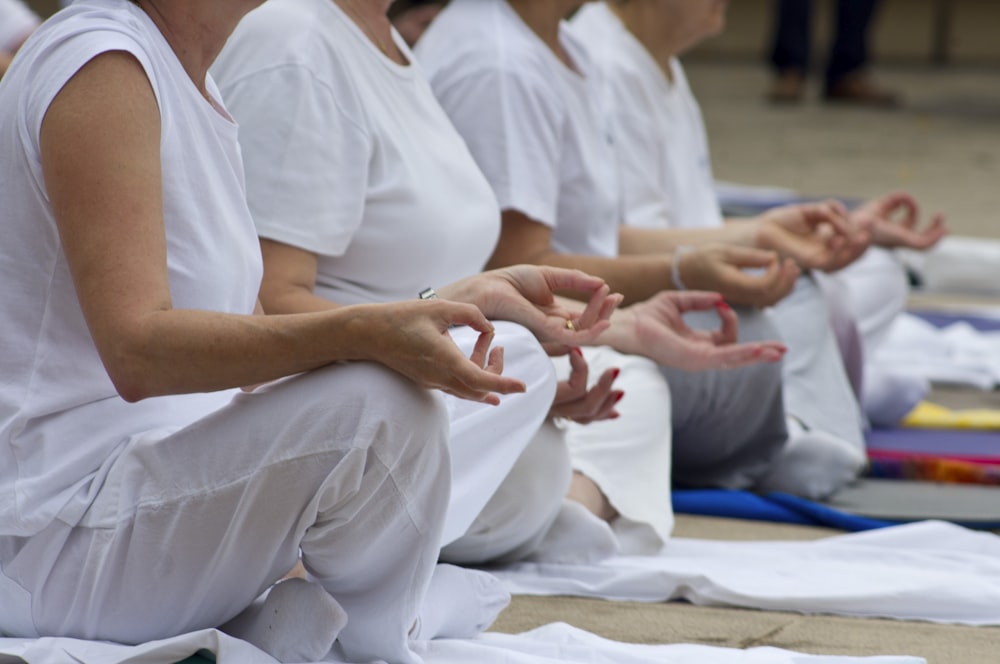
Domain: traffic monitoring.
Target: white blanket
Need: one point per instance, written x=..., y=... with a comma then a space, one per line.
x=931, y=571
x=548, y=645
x=927, y=571
x=957, y=355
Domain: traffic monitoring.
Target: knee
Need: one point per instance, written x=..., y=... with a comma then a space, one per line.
x=387, y=413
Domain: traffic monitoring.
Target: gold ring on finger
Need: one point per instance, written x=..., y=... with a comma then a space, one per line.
x=570, y=326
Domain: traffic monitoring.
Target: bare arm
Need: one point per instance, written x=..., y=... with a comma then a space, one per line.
x=815, y=235
x=289, y=282
x=719, y=268
x=101, y=162
x=523, y=240
x=5, y=60
x=634, y=240
x=895, y=222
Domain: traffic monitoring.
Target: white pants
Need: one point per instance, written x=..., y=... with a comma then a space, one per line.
x=486, y=443
x=864, y=300
x=519, y=514
x=629, y=458
x=706, y=428
x=876, y=289
x=349, y=462
x=816, y=385
x=728, y=424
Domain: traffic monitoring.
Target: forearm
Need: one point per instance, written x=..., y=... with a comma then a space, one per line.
x=5, y=60
x=182, y=351
x=635, y=277
x=278, y=300
x=621, y=334
x=634, y=241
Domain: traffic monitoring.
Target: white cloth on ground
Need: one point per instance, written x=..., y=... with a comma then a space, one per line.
x=957, y=264
x=552, y=644
x=930, y=571
x=958, y=354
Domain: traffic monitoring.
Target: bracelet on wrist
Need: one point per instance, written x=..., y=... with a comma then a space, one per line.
x=675, y=265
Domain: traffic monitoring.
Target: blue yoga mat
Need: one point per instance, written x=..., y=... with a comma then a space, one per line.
x=774, y=507
x=866, y=505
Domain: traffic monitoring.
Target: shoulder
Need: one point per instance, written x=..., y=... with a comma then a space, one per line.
x=289, y=48
x=275, y=35
x=63, y=45
x=480, y=42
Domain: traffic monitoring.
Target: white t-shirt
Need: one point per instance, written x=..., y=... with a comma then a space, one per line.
x=660, y=138
x=349, y=155
x=61, y=421
x=533, y=125
x=16, y=22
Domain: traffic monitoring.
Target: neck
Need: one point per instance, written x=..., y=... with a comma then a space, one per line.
x=372, y=18
x=370, y=9
x=544, y=17
x=648, y=28
x=196, y=30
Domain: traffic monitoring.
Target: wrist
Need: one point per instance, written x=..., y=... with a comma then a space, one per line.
x=620, y=331
x=676, y=273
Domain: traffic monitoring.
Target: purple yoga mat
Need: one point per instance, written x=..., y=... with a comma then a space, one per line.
x=936, y=442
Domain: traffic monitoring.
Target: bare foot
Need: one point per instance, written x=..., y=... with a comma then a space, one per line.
x=585, y=491
x=297, y=572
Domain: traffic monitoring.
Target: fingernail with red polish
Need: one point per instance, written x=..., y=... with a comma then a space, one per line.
x=615, y=374
x=619, y=397
x=577, y=351
x=723, y=305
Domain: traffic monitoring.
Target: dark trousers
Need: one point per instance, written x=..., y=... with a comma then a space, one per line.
x=793, y=37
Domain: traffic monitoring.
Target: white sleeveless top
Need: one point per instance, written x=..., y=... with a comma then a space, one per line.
x=61, y=421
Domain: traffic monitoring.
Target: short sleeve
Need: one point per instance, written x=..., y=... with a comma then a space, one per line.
x=306, y=162
x=63, y=59
x=512, y=123
x=641, y=163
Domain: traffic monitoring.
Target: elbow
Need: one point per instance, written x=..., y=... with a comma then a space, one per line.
x=505, y=258
x=132, y=376
x=130, y=386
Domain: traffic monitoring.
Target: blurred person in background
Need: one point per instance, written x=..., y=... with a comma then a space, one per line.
x=17, y=21
x=847, y=79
